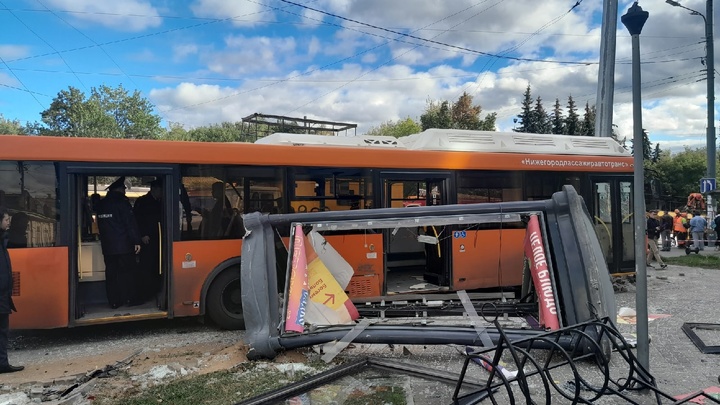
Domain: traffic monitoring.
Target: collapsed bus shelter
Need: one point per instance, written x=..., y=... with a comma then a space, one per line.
x=575, y=287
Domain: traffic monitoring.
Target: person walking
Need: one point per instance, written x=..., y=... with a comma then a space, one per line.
x=6, y=302
x=120, y=242
x=697, y=230
x=653, y=231
x=148, y=210
x=666, y=227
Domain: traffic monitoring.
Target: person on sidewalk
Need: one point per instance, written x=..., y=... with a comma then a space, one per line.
x=697, y=229
x=666, y=227
x=679, y=228
x=6, y=286
x=653, y=231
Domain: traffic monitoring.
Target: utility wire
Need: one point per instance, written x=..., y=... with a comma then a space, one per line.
x=46, y=43
x=490, y=63
x=404, y=53
x=430, y=40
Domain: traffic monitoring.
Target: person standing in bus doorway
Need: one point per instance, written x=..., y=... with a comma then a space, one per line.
x=666, y=226
x=148, y=211
x=6, y=302
x=697, y=229
x=120, y=241
x=653, y=231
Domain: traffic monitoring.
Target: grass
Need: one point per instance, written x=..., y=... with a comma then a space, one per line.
x=222, y=387
x=695, y=260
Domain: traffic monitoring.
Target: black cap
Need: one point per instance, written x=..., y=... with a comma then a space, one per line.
x=119, y=183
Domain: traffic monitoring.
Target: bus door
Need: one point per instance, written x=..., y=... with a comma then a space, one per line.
x=612, y=215
x=416, y=258
x=144, y=280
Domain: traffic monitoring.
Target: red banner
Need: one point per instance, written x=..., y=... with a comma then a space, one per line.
x=298, y=291
x=535, y=253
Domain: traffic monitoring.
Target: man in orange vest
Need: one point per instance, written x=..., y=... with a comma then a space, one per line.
x=679, y=227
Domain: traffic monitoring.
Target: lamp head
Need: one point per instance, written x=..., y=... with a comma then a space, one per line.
x=634, y=19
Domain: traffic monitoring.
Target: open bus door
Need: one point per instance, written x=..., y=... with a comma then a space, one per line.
x=615, y=228
x=86, y=185
x=416, y=259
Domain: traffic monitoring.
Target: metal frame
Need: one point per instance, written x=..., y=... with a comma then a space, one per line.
x=689, y=329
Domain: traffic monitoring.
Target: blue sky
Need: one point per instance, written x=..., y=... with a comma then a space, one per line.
x=359, y=61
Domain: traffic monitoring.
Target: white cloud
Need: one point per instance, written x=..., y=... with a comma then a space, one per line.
x=123, y=15
x=241, y=12
x=10, y=52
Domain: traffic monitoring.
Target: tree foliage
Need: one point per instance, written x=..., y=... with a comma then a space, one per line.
x=558, y=122
x=107, y=113
x=588, y=124
x=572, y=122
x=397, y=128
x=460, y=115
x=11, y=127
x=525, y=118
x=646, y=145
x=680, y=173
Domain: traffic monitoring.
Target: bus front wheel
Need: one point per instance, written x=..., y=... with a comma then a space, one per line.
x=224, y=300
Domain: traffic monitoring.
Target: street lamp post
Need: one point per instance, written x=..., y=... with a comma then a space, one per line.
x=710, y=65
x=634, y=20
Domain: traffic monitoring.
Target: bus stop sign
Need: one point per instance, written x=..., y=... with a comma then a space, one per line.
x=707, y=185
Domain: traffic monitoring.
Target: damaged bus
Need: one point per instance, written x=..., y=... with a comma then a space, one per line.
x=49, y=185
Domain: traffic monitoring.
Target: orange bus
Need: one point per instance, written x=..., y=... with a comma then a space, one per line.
x=49, y=184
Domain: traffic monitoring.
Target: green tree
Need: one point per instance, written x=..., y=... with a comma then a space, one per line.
x=558, y=122
x=680, y=173
x=397, y=128
x=572, y=121
x=460, y=115
x=655, y=155
x=223, y=132
x=107, y=113
x=646, y=146
x=437, y=115
x=526, y=115
x=541, y=119
x=588, y=123
x=11, y=127
x=176, y=132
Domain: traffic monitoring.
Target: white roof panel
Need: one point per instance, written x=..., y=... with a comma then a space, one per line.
x=279, y=138
x=512, y=142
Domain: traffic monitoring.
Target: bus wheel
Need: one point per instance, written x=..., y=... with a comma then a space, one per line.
x=224, y=300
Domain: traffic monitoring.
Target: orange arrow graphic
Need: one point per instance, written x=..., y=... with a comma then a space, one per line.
x=330, y=297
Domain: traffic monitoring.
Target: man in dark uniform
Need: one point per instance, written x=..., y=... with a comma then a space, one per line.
x=120, y=241
x=148, y=210
x=6, y=286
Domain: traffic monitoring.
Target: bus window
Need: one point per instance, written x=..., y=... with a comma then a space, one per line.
x=216, y=196
x=542, y=185
x=482, y=187
x=28, y=191
x=330, y=189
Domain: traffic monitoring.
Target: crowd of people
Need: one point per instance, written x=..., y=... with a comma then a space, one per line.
x=685, y=229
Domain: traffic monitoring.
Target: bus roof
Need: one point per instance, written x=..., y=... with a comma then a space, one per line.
x=411, y=155
x=280, y=138
x=459, y=140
